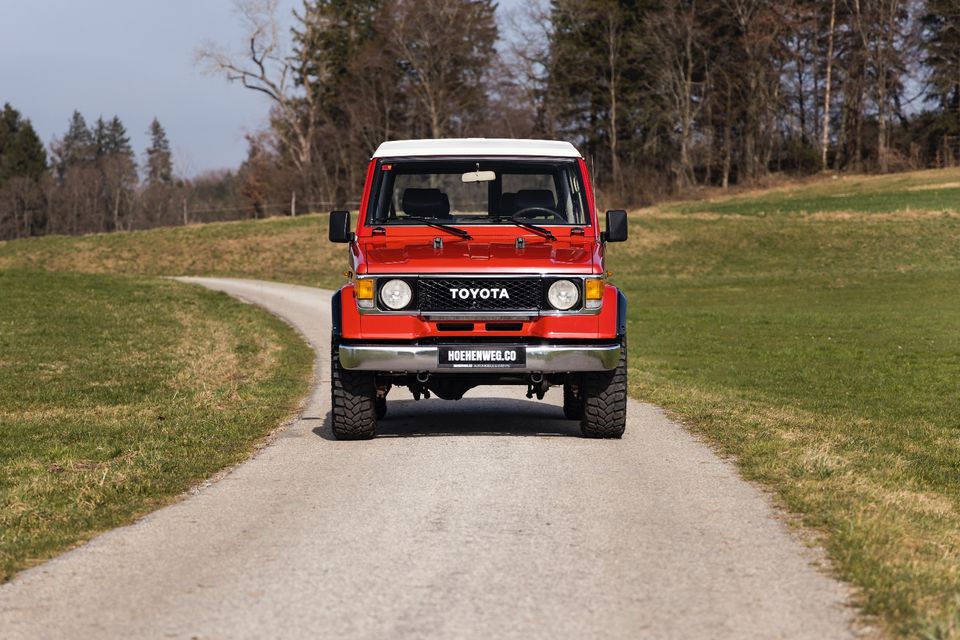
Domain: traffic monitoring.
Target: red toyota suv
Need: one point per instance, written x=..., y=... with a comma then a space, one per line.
x=478, y=261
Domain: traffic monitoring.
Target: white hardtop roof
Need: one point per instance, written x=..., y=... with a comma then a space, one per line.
x=479, y=147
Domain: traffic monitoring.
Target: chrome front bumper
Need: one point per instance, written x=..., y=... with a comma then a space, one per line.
x=540, y=359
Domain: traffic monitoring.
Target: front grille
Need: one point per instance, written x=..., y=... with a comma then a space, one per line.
x=482, y=294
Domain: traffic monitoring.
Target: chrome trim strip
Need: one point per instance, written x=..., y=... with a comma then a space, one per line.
x=540, y=359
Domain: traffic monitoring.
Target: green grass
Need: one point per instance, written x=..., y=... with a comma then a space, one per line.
x=812, y=332
x=281, y=249
x=919, y=191
x=823, y=353
x=118, y=393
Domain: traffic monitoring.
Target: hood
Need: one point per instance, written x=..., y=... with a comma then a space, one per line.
x=486, y=254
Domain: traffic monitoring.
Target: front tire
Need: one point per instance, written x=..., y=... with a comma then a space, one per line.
x=604, y=397
x=353, y=405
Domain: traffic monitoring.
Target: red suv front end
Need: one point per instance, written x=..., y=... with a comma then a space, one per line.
x=478, y=262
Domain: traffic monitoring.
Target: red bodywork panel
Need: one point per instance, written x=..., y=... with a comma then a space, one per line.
x=491, y=251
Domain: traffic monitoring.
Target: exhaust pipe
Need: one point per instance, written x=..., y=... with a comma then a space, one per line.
x=536, y=378
x=423, y=376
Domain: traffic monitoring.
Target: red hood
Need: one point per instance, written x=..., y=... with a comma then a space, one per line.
x=487, y=254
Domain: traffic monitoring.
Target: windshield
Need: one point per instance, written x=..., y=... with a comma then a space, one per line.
x=543, y=192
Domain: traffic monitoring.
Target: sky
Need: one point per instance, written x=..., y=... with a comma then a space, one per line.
x=134, y=59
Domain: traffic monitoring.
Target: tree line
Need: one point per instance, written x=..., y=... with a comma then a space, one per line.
x=679, y=92
x=90, y=181
x=660, y=95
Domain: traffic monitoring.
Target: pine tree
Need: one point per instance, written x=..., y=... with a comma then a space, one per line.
x=26, y=156
x=159, y=158
x=942, y=47
x=116, y=139
x=118, y=171
x=21, y=151
x=9, y=121
x=76, y=148
x=99, y=137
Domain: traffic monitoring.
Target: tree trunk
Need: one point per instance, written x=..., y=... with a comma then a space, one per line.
x=727, y=144
x=825, y=130
x=612, y=47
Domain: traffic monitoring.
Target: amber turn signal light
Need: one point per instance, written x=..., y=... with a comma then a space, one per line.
x=594, y=289
x=364, y=289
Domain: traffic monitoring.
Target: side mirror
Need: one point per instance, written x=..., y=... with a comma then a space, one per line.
x=616, y=226
x=340, y=229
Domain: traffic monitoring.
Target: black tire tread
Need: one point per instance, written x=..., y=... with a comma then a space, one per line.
x=604, y=396
x=353, y=402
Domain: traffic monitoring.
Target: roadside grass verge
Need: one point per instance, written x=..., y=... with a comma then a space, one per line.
x=812, y=332
x=823, y=353
x=118, y=393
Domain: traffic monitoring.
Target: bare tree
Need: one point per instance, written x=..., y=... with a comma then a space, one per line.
x=673, y=39
x=266, y=68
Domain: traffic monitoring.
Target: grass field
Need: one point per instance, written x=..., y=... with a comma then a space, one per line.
x=813, y=332
x=118, y=393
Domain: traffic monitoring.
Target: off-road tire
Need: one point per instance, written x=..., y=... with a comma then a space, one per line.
x=353, y=402
x=604, y=395
x=572, y=406
x=381, y=407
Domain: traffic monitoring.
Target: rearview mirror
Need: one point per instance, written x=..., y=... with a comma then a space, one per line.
x=340, y=230
x=479, y=176
x=616, y=226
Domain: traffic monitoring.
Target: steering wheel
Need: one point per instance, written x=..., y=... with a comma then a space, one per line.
x=538, y=212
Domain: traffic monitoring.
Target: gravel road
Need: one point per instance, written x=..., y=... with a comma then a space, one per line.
x=482, y=518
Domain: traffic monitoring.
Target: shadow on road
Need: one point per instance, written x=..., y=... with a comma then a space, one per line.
x=468, y=417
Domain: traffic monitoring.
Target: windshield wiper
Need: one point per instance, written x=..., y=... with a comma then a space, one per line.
x=546, y=233
x=457, y=231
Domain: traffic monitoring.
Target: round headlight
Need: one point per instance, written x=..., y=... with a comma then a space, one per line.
x=395, y=294
x=563, y=295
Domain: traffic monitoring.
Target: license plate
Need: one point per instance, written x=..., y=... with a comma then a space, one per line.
x=482, y=357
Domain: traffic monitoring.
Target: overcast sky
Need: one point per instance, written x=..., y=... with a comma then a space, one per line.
x=133, y=59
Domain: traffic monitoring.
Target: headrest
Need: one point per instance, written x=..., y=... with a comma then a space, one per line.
x=542, y=198
x=425, y=203
x=508, y=203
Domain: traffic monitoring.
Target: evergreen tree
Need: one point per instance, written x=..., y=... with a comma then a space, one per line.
x=118, y=172
x=942, y=48
x=596, y=79
x=26, y=156
x=116, y=140
x=9, y=121
x=99, y=137
x=327, y=37
x=159, y=158
x=76, y=148
x=21, y=151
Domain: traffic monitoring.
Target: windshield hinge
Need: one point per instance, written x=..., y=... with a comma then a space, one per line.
x=521, y=243
x=438, y=243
